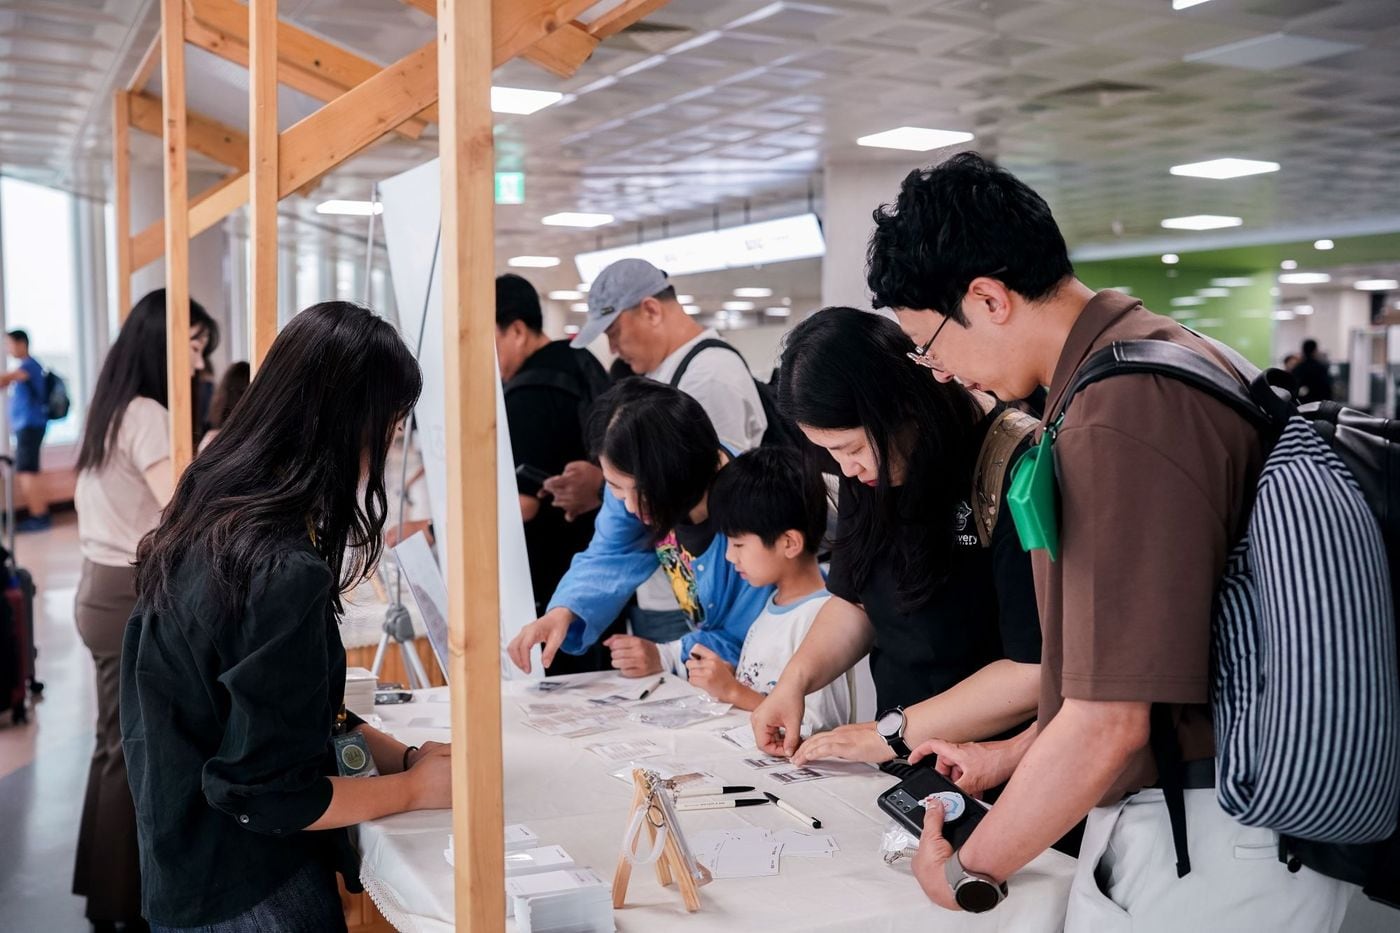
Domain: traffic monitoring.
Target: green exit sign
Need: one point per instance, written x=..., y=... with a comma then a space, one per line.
x=510, y=187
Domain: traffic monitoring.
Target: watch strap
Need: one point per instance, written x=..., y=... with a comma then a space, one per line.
x=958, y=877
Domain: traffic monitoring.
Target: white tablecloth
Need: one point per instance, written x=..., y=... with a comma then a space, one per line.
x=564, y=793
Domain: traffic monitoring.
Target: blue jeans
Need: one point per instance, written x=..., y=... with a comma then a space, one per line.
x=308, y=902
x=658, y=625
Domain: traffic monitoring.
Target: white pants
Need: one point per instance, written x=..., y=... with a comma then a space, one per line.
x=1126, y=879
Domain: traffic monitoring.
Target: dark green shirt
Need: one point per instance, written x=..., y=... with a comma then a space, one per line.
x=226, y=729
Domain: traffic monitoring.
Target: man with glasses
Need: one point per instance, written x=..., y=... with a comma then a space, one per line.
x=1154, y=481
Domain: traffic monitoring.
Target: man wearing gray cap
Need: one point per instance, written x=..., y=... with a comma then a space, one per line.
x=635, y=305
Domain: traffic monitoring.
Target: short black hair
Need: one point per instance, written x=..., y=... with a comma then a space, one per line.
x=957, y=221
x=666, y=294
x=517, y=300
x=1309, y=347
x=769, y=491
x=20, y=336
x=663, y=439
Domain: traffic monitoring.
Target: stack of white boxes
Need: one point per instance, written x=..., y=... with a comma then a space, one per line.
x=359, y=691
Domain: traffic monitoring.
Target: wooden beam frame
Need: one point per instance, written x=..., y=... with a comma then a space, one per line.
x=177, y=238
x=563, y=50
x=121, y=199
x=207, y=136
x=263, y=190
x=468, y=205
x=207, y=208
x=143, y=72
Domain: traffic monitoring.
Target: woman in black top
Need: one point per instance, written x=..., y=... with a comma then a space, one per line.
x=950, y=626
x=233, y=672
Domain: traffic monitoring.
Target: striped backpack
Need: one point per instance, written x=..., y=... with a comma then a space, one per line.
x=1305, y=690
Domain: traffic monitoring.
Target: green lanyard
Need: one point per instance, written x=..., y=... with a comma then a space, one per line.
x=1034, y=496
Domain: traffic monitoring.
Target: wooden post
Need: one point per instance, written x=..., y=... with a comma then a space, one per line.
x=474, y=617
x=177, y=236
x=263, y=193
x=121, y=199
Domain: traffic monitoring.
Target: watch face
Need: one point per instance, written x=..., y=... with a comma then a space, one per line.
x=888, y=724
x=975, y=895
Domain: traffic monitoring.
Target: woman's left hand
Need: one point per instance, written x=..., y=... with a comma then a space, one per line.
x=633, y=656
x=856, y=742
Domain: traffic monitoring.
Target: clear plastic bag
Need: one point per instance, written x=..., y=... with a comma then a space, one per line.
x=897, y=845
x=678, y=712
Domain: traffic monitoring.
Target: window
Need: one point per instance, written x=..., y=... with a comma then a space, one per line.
x=41, y=295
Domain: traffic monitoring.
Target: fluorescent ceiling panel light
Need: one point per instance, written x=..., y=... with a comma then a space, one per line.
x=762, y=13
x=1283, y=315
x=686, y=299
x=582, y=286
x=1233, y=281
x=691, y=309
x=605, y=81
x=1186, y=4
x=753, y=293
x=570, y=330
x=1288, y=265
x=581, y=307
x=1201, y=222
x=1222, y=169
x=642, y=65
x=914, y=139
x=764, y=243
x=1187, y=301
x=533, y=262
x=1271, y=52
x=1304, y=310
x=350, y=208
x=576, y=219
x=777, y=312
x=565, y=294
x=1376, y=285
x=1304, y=278
x=521, y=100
x=738, y=306
x=1218, y=292
x=705, y=38
x=1171, y=259
x=1323, y=244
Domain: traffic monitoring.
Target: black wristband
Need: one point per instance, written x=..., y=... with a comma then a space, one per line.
x=406, y=752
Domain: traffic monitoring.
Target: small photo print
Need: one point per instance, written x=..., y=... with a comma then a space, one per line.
x=763, y=763
x=797, y=776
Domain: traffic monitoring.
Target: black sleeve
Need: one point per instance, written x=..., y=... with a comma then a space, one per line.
x=268, y=771
x=838, y=577
x=1015, y=583
x=540, y=435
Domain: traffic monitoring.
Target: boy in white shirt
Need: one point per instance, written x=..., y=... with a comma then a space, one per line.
x=772, y=508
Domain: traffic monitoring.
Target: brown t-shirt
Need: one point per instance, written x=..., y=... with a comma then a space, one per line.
x=1154, y=481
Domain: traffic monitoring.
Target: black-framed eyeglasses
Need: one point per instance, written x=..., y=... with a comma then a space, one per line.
x=919, y=355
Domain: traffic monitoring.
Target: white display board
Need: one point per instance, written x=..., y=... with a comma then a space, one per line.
x=412, y=213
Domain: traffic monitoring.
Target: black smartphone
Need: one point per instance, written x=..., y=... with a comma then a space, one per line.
x=905, y=802
x=531, y=479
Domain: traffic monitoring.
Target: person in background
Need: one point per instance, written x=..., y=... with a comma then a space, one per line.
x=949, y=622
x=549, y=390
x=772, y=508
x=1314, y=378
x=226, y=396
x=635, y=304
x=233, y=671
x=29, y=417
x=659, y=455
x=124, y=480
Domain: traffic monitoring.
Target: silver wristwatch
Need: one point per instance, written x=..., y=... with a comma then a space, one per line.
x=974, y=893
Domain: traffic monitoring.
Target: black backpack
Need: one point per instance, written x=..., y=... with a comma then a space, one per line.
x=55, y=397
x=782, y=431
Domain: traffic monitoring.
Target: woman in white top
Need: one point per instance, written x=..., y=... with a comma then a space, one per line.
x=124, y=481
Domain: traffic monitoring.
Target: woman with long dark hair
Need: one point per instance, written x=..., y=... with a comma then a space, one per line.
x=659, y=454
x=124, y=480
x=948, y=619
x=227, y=394
x=242, y=756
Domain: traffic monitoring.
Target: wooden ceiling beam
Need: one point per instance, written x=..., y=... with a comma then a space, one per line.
x=149, y=61
x=207, y=136
x=623, y=15
x=518, y=26
x=206, y=209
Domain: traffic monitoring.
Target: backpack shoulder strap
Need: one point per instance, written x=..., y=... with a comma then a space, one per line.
x=1258, y=403
x=994, y=459
x=546, y=379
x=695, y=351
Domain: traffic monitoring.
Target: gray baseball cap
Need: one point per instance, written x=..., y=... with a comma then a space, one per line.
x=620, y=286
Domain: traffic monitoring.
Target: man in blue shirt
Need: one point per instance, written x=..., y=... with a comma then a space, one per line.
x=29, y=416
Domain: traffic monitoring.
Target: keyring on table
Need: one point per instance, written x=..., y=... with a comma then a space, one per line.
x=907, y=852
x=633, y=836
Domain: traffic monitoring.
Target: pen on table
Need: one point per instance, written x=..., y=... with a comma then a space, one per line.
x=648, y=691
x=790, y=809
x=712, y=790
x=721, y=803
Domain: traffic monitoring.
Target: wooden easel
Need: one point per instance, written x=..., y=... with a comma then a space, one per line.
x=671, y=863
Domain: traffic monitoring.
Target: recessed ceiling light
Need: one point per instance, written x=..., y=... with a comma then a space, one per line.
x=1233, y=281
x=1323, y=244
x=1219, y=292
x=1288, y=265
x=761, y=13
x=580, y=306
x=1221, y=169
x=1376, y=285
x=691, y=309
x=1304, y=278
x=576, y=219
x=521, y=100
x=582, y=286
x=533, y=262
x=1283, y=315
x=777, y=312
x=570, y=330
x=753, y=293
x=1304, y=310
x=350, y=208
x=686, y=299
x=1186, y=4
x=1187, y=301
x=914, y=139
x=1201, y=222
x=738, y=306
x=565, y=294
x=1171, y=259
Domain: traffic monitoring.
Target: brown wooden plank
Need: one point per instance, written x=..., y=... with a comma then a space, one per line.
x=205, y=135
x=121, y=200
x=563, y=50
x=177, y=237
x=263, y=191
x=143, y=72
x=206, y=209
x=622, y=16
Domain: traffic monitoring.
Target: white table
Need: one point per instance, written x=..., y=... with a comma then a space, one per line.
x=564, y=793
